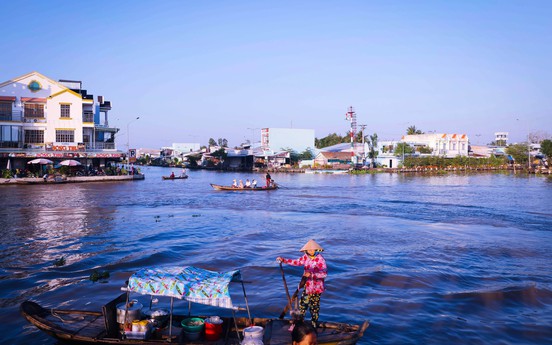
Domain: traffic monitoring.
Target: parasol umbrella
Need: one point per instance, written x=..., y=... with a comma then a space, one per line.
x=70, y=163
x=40, y=161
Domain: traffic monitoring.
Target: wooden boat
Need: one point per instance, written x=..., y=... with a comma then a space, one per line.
x=101, y=326
x=175, y=177
x=245, y=189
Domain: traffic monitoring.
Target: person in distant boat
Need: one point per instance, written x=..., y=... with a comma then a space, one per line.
x=247, y=184
x=240, y=185
x=172, y=174
x=254, y=183
x=315, y=272
x=234, y=183
x=183, y=172
x=268, y=179
x=303, y=334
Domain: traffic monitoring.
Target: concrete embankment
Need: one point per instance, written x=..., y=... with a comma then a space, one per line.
x=72, y=179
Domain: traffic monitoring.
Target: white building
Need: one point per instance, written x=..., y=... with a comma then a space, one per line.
x=41, y=117
x=279, y=139
x=152, y=153
x=386, y=154
x=501, y=138
x=441, y=144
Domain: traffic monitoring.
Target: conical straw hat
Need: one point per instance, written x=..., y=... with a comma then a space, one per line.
x=311, y=245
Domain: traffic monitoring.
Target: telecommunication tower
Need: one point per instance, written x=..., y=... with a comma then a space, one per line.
x=351, y=116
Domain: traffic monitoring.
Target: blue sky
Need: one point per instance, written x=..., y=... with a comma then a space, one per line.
x=224, y=69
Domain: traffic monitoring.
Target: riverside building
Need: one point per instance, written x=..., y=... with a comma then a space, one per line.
x=280, y=139
x=44, y=118
x=440, y=144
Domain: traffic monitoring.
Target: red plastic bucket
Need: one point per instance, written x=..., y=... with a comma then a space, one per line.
x=213, y=330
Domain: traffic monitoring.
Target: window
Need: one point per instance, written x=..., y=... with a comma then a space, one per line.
x=6, y=109
x=9, y=136
x=65, y=136
x=34, y=110
x=454, y=146
x=34, y=137
x=65, y=110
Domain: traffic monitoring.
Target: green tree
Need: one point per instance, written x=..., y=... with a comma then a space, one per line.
x=403, y=148
x=192, y=160
x=520, y=152
x=412, y=130
x=425, y=149
x=331, y=139
x=212, y=142
x=546, y=149
x=220, y=154
x=294, y=157
x=307, y=154
x=222, y=142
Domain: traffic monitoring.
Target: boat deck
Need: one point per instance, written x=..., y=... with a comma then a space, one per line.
x=91, y=327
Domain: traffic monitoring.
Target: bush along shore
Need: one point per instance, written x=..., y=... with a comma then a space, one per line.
x=465, y=164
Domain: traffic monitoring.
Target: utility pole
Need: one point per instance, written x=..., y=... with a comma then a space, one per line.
x=362, y=127
x=128, y=132
x=528, y=154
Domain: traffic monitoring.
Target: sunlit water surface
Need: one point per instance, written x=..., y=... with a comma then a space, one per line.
x=427, y=259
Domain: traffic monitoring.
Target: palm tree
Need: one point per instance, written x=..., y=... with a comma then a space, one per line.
x=373, y=144
x=412, y=131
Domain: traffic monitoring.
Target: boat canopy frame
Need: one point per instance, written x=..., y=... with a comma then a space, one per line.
x=185, y=283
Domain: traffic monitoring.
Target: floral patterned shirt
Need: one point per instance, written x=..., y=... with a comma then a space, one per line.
x=316, y=267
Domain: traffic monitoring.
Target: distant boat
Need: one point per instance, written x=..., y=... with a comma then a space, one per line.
x=244, y=189
x=174, y=177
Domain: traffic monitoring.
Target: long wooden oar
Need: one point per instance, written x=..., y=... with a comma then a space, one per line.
x=288, y=306
x=285, y=285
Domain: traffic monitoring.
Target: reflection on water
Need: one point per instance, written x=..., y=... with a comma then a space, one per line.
x=427, y=259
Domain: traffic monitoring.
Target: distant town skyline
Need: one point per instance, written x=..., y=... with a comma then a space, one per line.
x=197, y=70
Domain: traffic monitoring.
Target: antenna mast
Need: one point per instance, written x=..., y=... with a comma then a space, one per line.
x=351, y=116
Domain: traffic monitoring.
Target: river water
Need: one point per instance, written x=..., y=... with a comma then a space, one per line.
x=427, y=259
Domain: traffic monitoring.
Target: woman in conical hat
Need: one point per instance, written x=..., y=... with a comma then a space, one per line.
x=311, y=245
x=315, y=272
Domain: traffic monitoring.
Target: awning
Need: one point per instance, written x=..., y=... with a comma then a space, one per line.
x=191, y=283
x=7, y=98
x=33, y=99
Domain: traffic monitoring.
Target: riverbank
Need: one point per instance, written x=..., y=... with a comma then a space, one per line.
x=418, y=169
x=72, y=179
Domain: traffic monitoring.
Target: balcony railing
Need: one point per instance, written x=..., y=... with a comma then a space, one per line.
x=31, y=119
x=105, y=128
x=11, y=144
x=14, y=115
x=100, y=146
x=19, y=145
